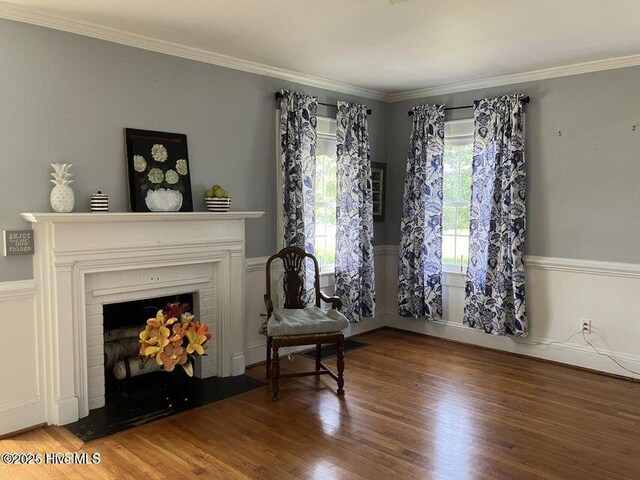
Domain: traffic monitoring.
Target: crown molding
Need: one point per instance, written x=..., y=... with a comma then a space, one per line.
x=101, y=32
x=109, y=34
x=546, y=73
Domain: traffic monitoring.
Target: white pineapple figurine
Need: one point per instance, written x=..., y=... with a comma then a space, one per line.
x=62, y=197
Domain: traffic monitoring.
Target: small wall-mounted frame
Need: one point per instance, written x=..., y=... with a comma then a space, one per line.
x=18, y=242
x=378, y=184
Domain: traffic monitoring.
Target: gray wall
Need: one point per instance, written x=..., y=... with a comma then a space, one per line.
x=583, y=186
x=66, y=98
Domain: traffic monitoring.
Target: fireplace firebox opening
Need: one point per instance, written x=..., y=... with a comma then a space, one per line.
x=125, y=372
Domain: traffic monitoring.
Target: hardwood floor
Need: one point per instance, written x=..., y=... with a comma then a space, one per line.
x=415, y=407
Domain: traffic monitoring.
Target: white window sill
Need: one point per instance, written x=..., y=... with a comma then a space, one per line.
x=453, y=277
x=454, y=270
x=327, y=278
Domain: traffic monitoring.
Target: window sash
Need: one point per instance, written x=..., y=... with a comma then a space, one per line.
x=326, y=130
x=458, y=132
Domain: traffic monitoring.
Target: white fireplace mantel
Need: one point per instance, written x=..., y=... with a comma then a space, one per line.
x=70, y=248
x=130, y=217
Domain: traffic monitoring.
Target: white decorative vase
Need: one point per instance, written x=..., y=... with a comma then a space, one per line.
x=62, y=197
x=163, y=200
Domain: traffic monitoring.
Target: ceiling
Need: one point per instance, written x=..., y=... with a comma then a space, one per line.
x=373, y=44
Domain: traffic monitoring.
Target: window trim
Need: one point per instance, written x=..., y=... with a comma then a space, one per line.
x=458, y=128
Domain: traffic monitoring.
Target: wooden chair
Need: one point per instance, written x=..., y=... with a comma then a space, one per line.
x=301, y=331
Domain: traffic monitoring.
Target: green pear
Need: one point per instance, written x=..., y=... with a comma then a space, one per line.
x=221, y=193
x=209, y=194
x=215, y=187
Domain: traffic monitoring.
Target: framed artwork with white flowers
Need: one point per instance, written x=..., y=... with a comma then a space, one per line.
x=158, y=171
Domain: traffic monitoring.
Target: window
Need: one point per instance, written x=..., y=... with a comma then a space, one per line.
x=458, y=159
x=325, y=190
x=325, y=194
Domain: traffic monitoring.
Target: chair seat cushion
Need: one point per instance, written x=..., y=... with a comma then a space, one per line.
x=305, y=321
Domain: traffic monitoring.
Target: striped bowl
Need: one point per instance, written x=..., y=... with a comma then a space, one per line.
x=217, y=204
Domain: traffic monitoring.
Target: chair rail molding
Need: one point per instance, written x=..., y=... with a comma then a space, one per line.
x=17, y=289
x=593, y=267
x=256, y=264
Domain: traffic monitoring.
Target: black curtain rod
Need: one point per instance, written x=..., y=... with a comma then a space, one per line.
x=279, y=96
x=524, y=100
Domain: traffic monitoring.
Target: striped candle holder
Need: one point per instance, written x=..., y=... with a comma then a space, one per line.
x=99, y=202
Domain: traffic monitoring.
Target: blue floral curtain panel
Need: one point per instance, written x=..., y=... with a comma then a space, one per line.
x=495, y=287
x=298, y=139
x=420, y=262
x=354, y=276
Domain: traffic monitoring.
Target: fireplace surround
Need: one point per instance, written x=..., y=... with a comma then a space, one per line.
x=85, y=260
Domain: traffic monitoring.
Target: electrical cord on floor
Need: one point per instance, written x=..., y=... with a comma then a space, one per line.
x=585, y=339
x=609, y=356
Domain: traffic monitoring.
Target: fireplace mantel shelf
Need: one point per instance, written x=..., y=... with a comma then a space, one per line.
x=129, y=217
x=85, y=260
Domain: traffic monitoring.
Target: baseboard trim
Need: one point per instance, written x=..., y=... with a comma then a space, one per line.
x=516, y=354
x=367, y=332
x=23, y=430
x=20, y=416
x=566, y=354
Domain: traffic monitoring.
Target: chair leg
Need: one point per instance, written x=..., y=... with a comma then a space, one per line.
x=275, y=375
x=318, y=356
x=340, y=365
x=268, y=357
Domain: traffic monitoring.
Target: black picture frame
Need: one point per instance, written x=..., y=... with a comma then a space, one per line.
x=378, y=186
x=158, y=171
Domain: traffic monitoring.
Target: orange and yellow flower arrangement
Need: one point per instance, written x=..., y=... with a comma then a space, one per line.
x=173, y=338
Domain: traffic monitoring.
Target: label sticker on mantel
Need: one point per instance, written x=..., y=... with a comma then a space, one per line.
x=18, y=242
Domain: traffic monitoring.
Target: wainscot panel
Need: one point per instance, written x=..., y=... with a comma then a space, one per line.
x=21, y=404
x=560, y=293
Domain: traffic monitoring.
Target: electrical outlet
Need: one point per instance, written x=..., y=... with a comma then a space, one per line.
x=585, y=325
